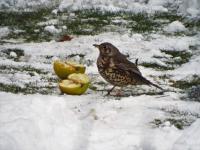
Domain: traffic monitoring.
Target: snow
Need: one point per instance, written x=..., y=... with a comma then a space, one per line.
x=115, y=5
x=87, y=122
x=39, y=123
x=51, y=23
x=191, y=8
x=190, y=139
x=175, y=27
x=27, y=4
x=159, y=2
x=55, y=12
x=93, y=121
x=52, y=29
x=188, y=69
x=4, y=31
x=135, y=45
x=13, y=54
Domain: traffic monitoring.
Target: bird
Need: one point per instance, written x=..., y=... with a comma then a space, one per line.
x=116, y=69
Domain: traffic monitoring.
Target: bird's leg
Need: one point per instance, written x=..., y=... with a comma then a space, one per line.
x=109, y=91
x=119, y=92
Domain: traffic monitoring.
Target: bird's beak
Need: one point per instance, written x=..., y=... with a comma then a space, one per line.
x=95, y=45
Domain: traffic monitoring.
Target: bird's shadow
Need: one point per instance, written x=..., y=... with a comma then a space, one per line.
x=128, y=93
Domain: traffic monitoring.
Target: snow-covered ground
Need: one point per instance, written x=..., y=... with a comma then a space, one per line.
x=35, y=116
x=191, y=7
x=94, y=122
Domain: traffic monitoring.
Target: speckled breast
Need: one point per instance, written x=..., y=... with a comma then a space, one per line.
x=113, y=76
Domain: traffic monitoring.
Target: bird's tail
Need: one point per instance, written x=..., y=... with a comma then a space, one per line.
x=156, y=86
x=150, y=83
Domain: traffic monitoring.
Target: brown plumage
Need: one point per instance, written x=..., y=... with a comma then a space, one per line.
x=116, y=69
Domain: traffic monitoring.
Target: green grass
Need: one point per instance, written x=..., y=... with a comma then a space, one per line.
x=185, y=84
x=28, y=89
x=6, y=53
x=97, y=21
x=85, y=22
x=177, y=58
x=168, y=16
x=25, y=21
x=157, y=66
x=19, y=52
x=88, y=22
x=141, y=23
x=179, y=123
x=184, y=56
x=22, y=19
x=21, y=69
x=180, y=119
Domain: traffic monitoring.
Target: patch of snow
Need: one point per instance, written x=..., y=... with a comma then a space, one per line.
x=174, y=27
x=64, y=27
x=135, y=45
x=114, y=5
x=87, y=121
x=27, y=4
x=49, y=22
x=52, y=29
x=55, y=11
x=190, y=139
x=188, y=69
x=13, y=54
x=4, y=31
x=91, y=121
x=159, y=2
x=191, y=7
x=17, y=31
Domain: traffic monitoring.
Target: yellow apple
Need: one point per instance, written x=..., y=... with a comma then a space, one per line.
x=76, y=84
x=65, y=68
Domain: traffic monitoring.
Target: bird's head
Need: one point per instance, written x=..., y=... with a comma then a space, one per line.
x=107, y=49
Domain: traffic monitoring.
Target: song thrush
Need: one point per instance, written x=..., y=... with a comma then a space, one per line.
x=116, y=69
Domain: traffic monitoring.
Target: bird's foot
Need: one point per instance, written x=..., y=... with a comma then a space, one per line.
x=109, y=91
x=119, y=93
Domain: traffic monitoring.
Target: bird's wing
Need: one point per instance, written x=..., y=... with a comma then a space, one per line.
x=136, y=74
x=126, y=65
